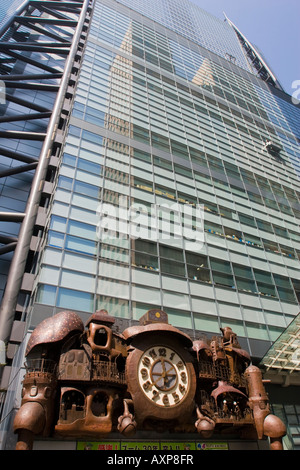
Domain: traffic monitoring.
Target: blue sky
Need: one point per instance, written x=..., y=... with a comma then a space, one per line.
x=272, y=25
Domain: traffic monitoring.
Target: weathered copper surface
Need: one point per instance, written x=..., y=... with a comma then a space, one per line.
x=224, y=388
x=87, y=383
x=147, y=407
x=132, y=331
x=54, y=329
x=101, y=317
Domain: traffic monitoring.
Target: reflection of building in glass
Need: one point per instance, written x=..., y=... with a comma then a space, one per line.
x=204, y=76
x=167, y=109
x=7, y=9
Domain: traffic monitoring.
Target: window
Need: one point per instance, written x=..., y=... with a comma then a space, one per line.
x=87, y=189
x=253, y=241
x=246, y=285
x=286, y=295
x=161, y=163
x=46, y=294
x=73, y=299
x=114, y=253
x=89, y=166
x=271, y=246
x=160, y=142
x=171, y=253
x=144, y=246
x=247, y=220
x=82, y=230
x=167, y=192
x=139, y=309
x=58, y=223
x=223, y=266
x=282, y=232
x=55, y=239
x=264, y=226
x=213, y=228
x=69, y=159
x=233, y=234
x=81, y=245
x=140, y=134
x=114, y=306
x=206, y=323
x=225, y=212
x=171, y=267
x=77, y=280
x=198, y=273
x=242, y=271
x=65, y=183
x=180, y=319
x=257, y=331
x=236, y=325
x=142, y=184
x=266, y=289
x=263, y=276
x=224, y=280
x=179, y=149
x=145, y=261
x=287, y=251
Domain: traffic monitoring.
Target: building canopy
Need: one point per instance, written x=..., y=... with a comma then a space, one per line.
x=284, y=354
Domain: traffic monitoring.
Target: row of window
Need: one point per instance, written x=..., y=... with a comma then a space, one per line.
x=272, y=194
x=94, y=191
x=123, y=127
x=144, y=41
x=106, y=195
x=145, y=255
x=231, y=97
x=151, y=37
x=202, y=322
x=158, y=140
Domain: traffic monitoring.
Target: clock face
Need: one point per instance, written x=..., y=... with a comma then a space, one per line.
x=163, y=376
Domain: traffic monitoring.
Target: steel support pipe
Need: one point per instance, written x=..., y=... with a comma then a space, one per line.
x=7, y=248
x=18, y=169
x=22, y=135
x=4, y=239
x=25, y=117
x=35, y=63
x=25, y=20
x=18, y=263
x=12, y=216
x=32, y=76
x=17, y=156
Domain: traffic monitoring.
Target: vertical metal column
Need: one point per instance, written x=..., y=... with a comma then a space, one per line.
x=17, y=267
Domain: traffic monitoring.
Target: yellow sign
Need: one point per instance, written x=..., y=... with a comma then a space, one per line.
x=151, y=445
x=170, y=445
x=138, y=445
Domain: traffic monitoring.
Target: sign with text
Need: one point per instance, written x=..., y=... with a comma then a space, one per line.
x=151, y=445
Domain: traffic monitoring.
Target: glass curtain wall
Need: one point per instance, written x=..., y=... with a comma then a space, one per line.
x=160, y=122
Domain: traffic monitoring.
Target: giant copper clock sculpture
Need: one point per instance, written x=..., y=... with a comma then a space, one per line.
x=160, y=373
x=89, y=381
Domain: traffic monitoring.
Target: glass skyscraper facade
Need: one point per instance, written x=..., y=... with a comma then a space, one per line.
x=158, y=119
x=169, y=116
x=7, y=9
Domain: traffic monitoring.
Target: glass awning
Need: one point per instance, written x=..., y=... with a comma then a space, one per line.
x=285, y=352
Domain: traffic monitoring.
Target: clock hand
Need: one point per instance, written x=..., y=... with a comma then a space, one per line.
x=172, y=367
x=159, y=378
x=163, y=366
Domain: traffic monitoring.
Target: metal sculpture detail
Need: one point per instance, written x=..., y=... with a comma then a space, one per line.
x=87, y=382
